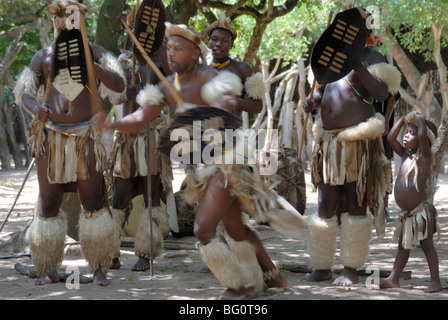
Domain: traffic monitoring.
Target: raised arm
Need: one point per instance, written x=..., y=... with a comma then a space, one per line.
x=423, y=141
x=392, y=137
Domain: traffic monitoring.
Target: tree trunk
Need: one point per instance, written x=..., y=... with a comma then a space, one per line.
x=180, y=11
x=109, y=27
x=413, y=77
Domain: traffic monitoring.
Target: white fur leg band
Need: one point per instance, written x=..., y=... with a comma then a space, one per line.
x=245, y=251
x=119, y=217
x=99, y=239
x=322, y=241
x=160, y=217
x=143, y=237
x=356, y=233
x=230, y=271
x=47, y=242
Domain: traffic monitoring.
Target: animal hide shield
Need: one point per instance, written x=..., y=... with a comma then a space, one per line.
x=69, y=66
x=198, y=128
x=340, y=47
x=149, y=28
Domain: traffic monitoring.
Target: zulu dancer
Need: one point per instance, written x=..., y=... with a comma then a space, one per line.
x=69, y=150
x=348, y=160
x=129, y=166
x=240, y=263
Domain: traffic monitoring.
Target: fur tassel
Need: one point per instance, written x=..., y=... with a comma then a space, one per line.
x=150, y=95
x=356, y=233
x=387, y=73
x=47, y=243
x=109, y=62
x=224, y=83
x=27, y=84
x=254, y=86
x=322, y=241
x=99, y=239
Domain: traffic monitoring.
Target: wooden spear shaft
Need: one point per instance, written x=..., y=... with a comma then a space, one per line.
x=153, y=66
x=311, y=96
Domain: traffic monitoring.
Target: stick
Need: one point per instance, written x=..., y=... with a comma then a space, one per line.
x=153, y=66
x=311, y=96
x=131, y=103
x=18, y=193
x=94, y=97
x=148, y=163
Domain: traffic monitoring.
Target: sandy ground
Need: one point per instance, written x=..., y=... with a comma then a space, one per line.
x=176, y=273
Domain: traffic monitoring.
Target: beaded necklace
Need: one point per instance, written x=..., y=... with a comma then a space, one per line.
x=222, y=64
x=181, y=76
x=356, y=91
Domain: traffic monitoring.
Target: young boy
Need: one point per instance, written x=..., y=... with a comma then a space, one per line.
x=417, y=222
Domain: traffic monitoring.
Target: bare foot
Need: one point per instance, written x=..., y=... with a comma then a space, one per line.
x=45, y=279
x=386, y=283
x=142, y=264
x=116, y=264
x=100, y=279
x=234, y=294
x=278, y=282
x=435, y=286
x=319, y=275
x=347, y=278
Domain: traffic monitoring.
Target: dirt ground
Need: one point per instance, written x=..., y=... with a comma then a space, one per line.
x=176, y=273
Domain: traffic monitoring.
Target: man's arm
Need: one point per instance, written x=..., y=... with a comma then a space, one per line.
x=111, y=79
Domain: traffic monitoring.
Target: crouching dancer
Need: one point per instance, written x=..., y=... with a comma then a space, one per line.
x=240, y=262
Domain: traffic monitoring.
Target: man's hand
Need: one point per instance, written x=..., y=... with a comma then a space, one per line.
x=309, y=105
x=102, y=121
x=43, y=113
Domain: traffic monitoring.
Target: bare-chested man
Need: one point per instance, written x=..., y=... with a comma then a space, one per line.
x=417, y=222
x=221, y=38
x=69, y=150
x=129, y=167
x=347, y=158
x=240, y=262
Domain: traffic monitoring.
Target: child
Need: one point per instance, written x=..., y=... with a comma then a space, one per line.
x=417, y=222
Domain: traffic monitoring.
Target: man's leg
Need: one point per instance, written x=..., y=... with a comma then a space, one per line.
x=97, y=230
x=49, y=227
x=356, y=233
x=323, y=232
x=231, y=271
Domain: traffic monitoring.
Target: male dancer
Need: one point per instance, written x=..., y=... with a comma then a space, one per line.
x=240, y=263
x=68, y=150
x=348, y=157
